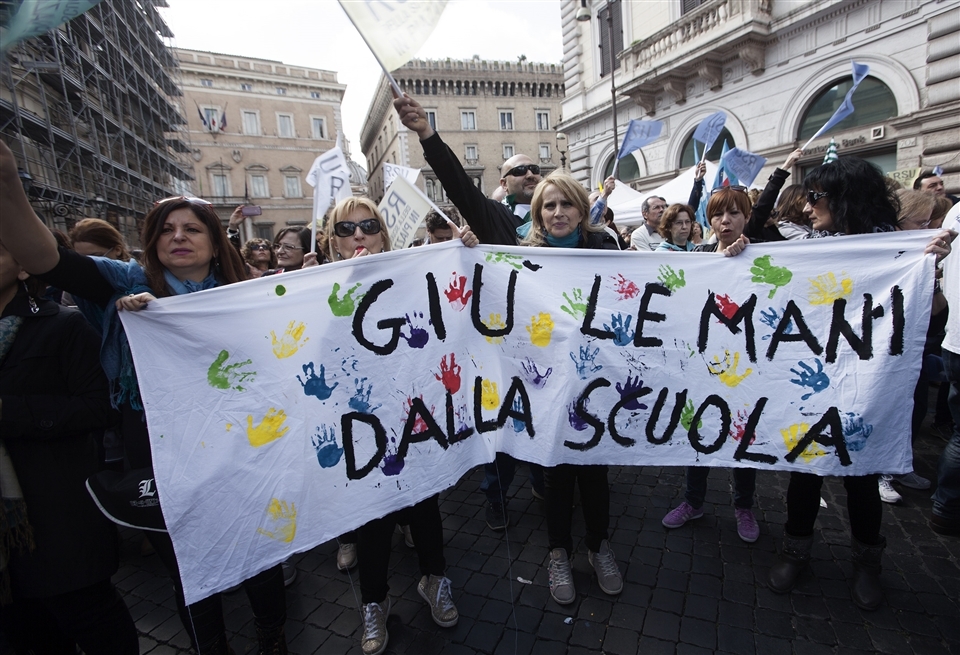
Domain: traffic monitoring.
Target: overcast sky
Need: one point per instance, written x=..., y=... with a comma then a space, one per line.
x=317, y=34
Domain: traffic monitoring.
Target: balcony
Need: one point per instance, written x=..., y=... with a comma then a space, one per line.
x=696, y=45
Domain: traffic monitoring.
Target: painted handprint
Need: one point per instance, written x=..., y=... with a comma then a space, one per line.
x=540, y=329
x=516, y=261
x=290, y=341
x=418, y=337
x=449, y=374
x=360, y=402
x=392, y=464
x=807, y=377
x=343, y=306
x=495, y=322
x=686, y=415
x=622, y=334
x=628, y=387
x=764, y=272
x=519, y=425
x=532, y=375
x=738, y=426
x=625, y=288
x=726, y=369
x=270, y=428
x=281, y=521
x=726, y=305
x=489, y=394
x=221, y=375
x=325, y=444
x=419, y=424
x=575, y=305
x=792, y=436
x=671, y=279
x=771, y=318
x=824, y=289
x=315, y=385
x=575, y=420
x=457, y=293
x=855, y=431
x=586, y=364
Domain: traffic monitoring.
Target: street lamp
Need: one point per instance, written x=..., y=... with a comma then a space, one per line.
x=583, y=14
x=562, y=149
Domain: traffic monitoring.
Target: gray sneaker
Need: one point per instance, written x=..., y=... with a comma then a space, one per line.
x=346, y=556
x=374, y=640
x=605, y=566
x=436, y=591
x=561, y=577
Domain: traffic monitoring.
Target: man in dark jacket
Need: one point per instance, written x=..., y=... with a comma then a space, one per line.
x=494, y=223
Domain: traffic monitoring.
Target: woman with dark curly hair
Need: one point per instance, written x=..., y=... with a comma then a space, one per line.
x=676, y=227
x=259, y=256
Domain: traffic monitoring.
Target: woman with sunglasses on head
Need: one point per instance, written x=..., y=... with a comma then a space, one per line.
x=259, y=257
x=848, y=196
x=355, y=228
x=185, y=250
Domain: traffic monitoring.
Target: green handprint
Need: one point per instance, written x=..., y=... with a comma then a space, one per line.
x=577, y=308
x=764, y=272
x=686, y=416
x=670, y=279
x=221, y=375
x=505, y=258
x=343, y=306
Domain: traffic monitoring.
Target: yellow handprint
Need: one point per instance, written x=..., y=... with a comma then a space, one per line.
x=282, y=518
x=824, y=289
x=793, y=435
x=269, y=428
x=540, y=329
x=489, y=395
x=726, y=371
x=290, y=342
x=495, y=322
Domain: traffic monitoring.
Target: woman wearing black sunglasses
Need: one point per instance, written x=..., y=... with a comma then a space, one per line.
x=355, y=228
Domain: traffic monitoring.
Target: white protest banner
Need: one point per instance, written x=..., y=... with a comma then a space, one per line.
x=393, y=171
x=364, y=386
x=403, y=207
x=744, y=164
x=330, y=178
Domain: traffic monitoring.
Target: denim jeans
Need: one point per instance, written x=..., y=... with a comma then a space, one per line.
x=946, y=499
x=499, y=476
x=744, y=484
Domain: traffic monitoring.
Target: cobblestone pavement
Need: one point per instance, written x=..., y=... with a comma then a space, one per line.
x=697, y=589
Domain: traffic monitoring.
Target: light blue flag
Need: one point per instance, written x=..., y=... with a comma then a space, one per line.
x=639, y=133
x=846, y=107
x=743, y=164
x=723, y=173
x=709, y=129
x=38, y=16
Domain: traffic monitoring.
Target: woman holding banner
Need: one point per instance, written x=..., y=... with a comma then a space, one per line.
x=848, y=196
x=560, y=218
x=185, y=250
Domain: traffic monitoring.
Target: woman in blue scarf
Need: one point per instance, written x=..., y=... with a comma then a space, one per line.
x=185, y=249
x=676, y=227
x=560, y=218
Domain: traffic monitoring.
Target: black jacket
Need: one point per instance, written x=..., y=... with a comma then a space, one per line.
x=54, y=394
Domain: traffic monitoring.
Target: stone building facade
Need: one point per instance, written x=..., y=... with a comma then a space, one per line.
x=486, y=111
x=777, y=68
x=255, y=128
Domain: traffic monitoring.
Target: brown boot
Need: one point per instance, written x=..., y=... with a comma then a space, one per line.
x=865, y=588
x=794, y=557
x=273, y=641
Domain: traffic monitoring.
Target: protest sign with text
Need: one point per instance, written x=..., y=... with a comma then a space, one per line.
x=403, y=207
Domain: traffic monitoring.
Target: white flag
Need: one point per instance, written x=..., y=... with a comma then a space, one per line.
x=330, y=178
x=403, y=207
x=394, y=29
x=393, y=171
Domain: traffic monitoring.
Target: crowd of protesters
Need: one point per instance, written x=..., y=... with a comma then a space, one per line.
x=71, y=413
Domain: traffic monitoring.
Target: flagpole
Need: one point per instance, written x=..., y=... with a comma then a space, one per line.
x=393, y=82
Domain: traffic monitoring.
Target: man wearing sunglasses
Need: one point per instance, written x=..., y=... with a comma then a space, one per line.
x=493, y=222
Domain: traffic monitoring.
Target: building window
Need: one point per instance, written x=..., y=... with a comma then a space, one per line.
x=470, y=153
x=251, y=123
x=686, y=6
x=258, y=186
x=246, y=87
x=435, y=191
x=291, y=186
x=432, y=118
x=543, y=121
x=315, y=95
x=221, y=185
x=212, y=116
x=319, y=128
x=605, y=29
x=281, y=91
x=544, y=152
x=206, y=82
x=875, y=104
x=285, y=126
x=687, y=155
x=468, y=120
x=506, y=120
x=507, y=150
x=264, y=231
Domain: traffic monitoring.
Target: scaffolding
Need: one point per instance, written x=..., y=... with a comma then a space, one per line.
x=92, y=112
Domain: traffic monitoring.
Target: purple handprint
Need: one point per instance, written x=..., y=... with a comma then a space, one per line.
x=532, y=375
x=629, y=387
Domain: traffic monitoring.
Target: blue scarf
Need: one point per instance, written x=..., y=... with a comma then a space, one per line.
x=572, y=240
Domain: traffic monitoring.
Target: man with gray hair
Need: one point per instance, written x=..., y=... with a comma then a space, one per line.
x=647, y=236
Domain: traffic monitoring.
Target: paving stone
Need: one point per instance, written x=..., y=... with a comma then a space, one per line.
x=698, y=632
x=661, y=625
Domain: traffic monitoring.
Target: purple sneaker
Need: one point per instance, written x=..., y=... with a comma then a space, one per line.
x=683, y=513
x=747, y=526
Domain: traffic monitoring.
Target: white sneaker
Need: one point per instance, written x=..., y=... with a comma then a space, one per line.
x=912, y=481
x=346, y=556
x=887, y=493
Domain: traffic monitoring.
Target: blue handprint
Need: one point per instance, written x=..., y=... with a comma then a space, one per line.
x=629, y=387
x=533, y=375
x=623, y=335
x=817, y=381
x=361, y=398
x=325, y=443
x=771, y=318
x=586, y=359
x=518, y=425
x=855, y=431
x=314, y=385
x=418, y=337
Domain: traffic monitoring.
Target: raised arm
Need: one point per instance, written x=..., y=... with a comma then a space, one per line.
x=697, y=191
x=762, y=211
x=23, y=234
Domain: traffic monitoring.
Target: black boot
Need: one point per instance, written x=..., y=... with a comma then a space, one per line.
x=865, y=589
x=794, y=557
x=273, y=641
